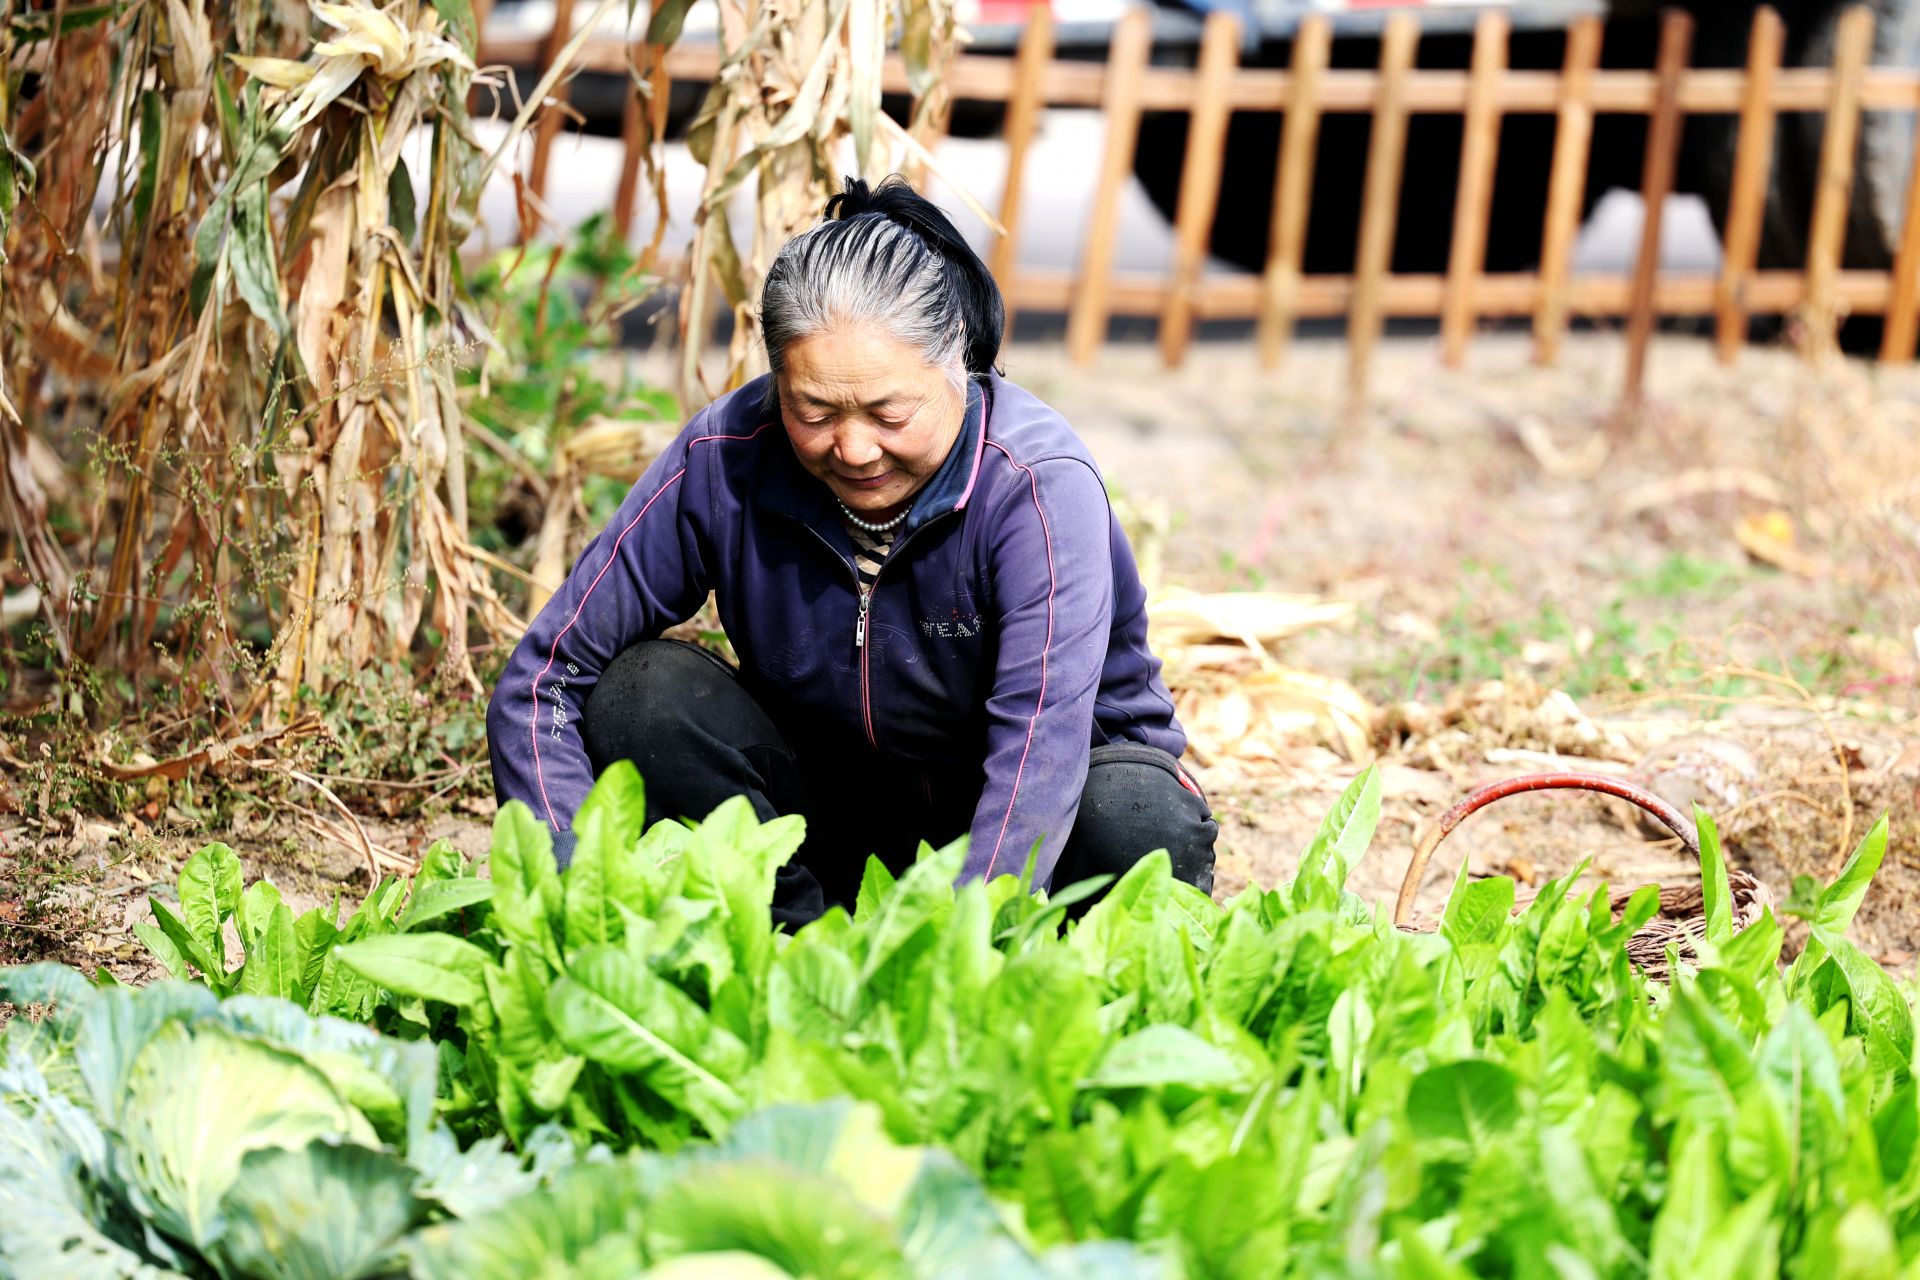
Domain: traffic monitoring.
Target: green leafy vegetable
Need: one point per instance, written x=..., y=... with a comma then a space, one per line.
x=1283, y=1086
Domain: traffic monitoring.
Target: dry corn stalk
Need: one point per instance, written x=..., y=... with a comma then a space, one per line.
x=268, y=336
x=370, y=402
x=270, y=346
x=794, y=81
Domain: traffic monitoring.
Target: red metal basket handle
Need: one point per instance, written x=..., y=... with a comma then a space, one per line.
x=1669, y=816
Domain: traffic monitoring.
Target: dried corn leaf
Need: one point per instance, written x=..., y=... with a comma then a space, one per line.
x=866, y=50
x=918, y=151
x=1341, y=713
x=1235, y=700
x=1263, y=715
x=550, y=558
x=1254, y=618
x=279, y=73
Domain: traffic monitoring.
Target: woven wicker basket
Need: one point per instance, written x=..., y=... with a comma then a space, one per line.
x=1681, y=919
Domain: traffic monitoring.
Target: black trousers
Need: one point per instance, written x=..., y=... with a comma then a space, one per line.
x=698, y=737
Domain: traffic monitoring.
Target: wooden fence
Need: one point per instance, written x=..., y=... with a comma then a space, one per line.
x=1465, y=294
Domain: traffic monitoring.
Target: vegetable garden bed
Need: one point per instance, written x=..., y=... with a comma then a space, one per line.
x=625, y=1070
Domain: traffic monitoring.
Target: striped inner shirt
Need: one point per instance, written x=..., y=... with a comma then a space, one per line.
x=869, y=552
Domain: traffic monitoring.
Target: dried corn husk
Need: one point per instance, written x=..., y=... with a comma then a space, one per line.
x=1235, y=699
x=616, y=447
x=1254, y=619
x=1255, y=714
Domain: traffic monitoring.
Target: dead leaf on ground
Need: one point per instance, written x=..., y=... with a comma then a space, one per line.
x=244, y=747
x=1769, y=538
x=1235, y=699
x=1256, y=714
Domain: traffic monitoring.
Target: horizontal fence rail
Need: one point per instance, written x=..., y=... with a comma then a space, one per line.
x=1483, y=94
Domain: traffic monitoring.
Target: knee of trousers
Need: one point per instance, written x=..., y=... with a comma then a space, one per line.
x=1138, y=799
x=652, y=695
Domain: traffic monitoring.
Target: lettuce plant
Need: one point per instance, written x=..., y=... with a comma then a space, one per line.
x=1282, y=1086
x=295, y=959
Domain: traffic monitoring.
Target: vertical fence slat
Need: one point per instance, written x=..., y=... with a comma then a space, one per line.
x=548, y=125
x=1747, y=198
x=1292, y=188
x=1023, y=114
x=1473, y=204
x=1566, y=186
x=1126, y=67
x=1852, y=45
x=1386, y=149
x=1903, y=325
x=1199, y=182
x=1663, y=144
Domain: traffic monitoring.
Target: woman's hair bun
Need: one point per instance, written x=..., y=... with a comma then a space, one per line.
x=981, y=306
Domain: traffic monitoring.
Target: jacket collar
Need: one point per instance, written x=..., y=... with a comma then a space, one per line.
x=786, y=488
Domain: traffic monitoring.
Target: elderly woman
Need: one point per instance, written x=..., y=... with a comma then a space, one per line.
x=939, y=622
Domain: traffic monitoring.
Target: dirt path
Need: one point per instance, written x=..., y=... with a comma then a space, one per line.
x=1483, y=529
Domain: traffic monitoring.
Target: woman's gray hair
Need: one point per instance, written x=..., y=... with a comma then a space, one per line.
x=889, y=259
x=865, y=273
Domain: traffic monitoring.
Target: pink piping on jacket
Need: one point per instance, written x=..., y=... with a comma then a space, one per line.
x=533, y=715
x=979, y=452
x=1046, y=533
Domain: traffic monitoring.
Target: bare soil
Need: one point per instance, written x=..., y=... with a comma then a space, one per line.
x=1502, y=517
x=1502, y=521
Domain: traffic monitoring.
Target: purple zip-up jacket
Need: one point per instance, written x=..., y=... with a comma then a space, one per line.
x=1006, y=635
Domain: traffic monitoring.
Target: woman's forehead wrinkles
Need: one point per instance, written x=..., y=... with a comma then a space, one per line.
x=851, y=397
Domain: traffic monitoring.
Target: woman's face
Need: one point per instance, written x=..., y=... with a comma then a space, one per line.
x=867, y=417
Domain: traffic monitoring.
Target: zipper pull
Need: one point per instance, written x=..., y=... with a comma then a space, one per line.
x=860, y=624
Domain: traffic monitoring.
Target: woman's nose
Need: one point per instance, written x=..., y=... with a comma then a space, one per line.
x=855, y=447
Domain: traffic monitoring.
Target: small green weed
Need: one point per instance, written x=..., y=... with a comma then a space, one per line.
x=1646, y=639
x=1490, y=633
x=1680, y=576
